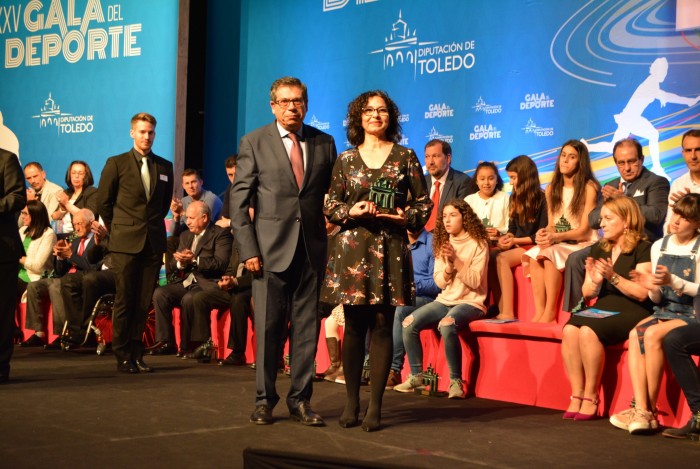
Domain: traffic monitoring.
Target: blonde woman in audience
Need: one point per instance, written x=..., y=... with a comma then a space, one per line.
x=623, y=249
x=570, y=197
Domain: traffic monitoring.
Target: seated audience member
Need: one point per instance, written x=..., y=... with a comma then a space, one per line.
x=235, y=293
x=70, y=259
x=201, y=259
x=192, y=183
x=489, y=202
x=38, y=239
x=690, y=181
x=79, y=194
x=460, y=244
x=421, y=246
x=649, y=190
x=40, y=188
x=81, y=291
x=570, y=198
x=528, y=214
x=673, y=282
x=622, y=250
x=230, y=165
x=679, y=345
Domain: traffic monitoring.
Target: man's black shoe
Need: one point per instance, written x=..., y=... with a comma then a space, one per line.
x=262, y=415
x=141, y=366
x=127, y=366
x=303, y=413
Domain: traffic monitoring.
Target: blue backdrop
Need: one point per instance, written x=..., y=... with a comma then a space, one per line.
x=496, y=79
x=75, y=71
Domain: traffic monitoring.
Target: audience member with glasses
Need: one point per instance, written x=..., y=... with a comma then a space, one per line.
x=377, y=192
x=80, y=193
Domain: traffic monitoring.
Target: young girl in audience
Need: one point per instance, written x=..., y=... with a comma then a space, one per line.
x=570, y=198
x=673, y=285
x=528, y=214
x=489, y=202
x=460, y=245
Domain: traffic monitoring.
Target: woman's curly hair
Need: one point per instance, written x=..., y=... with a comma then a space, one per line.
x=471, y=223
x=355, y=132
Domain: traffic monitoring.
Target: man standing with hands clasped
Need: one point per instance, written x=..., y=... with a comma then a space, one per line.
x=134, y=197
x=286, y=166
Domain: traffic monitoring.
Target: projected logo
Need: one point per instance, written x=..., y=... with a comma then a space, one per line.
x=485, y=132
x=439, y=111
x=402, y=47
x=330, y=5
x=536, y=101
x=51, y=115
x=481, y=106
x=435, y=135
x=532, y=128
x=314, y=122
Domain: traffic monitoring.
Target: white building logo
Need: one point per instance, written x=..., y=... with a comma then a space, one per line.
x=439, y=111
x=435, y=135
x=485, y=132
x=536, y=101
x=51, y=115
x=481, y=106
x=330, y=5
x=403, y=47
x=318, y=124
x=532, y=128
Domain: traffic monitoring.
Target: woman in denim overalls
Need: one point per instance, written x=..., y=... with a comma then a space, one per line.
x=673, y=285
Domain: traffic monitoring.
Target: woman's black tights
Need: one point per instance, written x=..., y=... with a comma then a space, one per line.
x=358, y=320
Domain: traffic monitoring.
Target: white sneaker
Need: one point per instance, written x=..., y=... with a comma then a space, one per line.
x=641, y=422
x=456, y=389
x=622, y=420
x=412, y=382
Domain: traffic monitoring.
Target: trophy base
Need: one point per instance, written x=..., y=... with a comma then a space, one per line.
x=429, y=393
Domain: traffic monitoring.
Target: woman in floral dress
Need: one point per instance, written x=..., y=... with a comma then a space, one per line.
x=377, y=192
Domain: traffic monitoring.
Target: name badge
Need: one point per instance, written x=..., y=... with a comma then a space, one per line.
x=164, y=177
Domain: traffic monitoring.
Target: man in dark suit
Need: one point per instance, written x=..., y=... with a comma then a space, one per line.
x=71, y=259
x=649, y=190
x=13, y=197
x=199, y=262
x=287, y=166
x=444, y=182
x=134, y=196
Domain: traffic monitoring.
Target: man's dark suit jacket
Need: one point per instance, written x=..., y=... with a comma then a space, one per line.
x=130, y=218
x=281, y=210
x=13, y=198
x=82, y=263
x=457, y=186
x=213, y=252
x=650, y=191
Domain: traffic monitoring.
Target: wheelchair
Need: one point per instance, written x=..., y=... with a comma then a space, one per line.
x=100, y=324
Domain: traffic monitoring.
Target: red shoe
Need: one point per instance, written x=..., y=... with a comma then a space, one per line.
x=571, y=415
x=585, y=417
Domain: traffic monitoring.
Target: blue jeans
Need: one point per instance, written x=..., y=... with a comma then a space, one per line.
x=399, y=316
x=430, y=315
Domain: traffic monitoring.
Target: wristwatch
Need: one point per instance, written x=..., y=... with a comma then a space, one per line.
x=614, y=280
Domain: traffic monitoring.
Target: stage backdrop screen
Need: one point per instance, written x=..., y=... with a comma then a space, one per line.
x=75, y=72
x=494, y=78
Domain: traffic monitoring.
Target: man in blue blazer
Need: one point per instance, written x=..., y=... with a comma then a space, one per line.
x=285, y=167
x=134, y=197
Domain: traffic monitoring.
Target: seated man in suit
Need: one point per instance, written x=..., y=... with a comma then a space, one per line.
x=70, y=259
x=82, y=290
x=201, y=259
x=649, y=190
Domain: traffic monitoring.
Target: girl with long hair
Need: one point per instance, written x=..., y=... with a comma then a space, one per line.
x=460, y=244
x=570, y=197
x=527, y=214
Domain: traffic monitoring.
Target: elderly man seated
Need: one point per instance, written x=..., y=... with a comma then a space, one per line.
x=201, y=259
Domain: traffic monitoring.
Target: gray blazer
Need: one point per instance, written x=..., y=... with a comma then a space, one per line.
x=282, y=211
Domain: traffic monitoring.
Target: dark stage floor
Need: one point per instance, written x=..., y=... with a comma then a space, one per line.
x=74, y=410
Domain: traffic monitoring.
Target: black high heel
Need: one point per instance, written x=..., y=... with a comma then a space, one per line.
x=370, y=426
x=349, y=422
